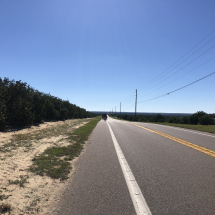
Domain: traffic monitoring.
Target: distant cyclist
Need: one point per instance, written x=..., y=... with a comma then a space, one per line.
x=104, y=117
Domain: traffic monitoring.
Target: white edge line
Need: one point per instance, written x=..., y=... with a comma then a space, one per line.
x=137, y=197
x=183, y=129
x=177, y=128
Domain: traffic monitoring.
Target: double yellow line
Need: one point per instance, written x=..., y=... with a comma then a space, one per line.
x=191, y=145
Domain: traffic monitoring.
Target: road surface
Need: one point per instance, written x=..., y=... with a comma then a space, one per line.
x=141, y=168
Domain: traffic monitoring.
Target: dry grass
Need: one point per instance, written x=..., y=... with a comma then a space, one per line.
x=5, y=207
x=32, y=192
x=54, y=161
x=25, y=140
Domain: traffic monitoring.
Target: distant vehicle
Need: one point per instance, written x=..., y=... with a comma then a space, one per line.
x=104, y=117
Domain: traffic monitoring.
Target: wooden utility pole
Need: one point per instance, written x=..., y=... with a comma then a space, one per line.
x=115, y=110
x=120, y=108
x=136, y=105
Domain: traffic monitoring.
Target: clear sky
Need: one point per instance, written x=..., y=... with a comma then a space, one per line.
x=96, y=53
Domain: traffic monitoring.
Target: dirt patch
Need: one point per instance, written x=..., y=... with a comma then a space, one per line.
x=25, y=191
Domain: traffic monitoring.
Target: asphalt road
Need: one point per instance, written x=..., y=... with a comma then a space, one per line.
x=173, y=176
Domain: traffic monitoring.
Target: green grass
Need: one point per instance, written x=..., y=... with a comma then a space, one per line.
x=20, y=182
x=54, y=161
x=2, y=197
x=25, y=140
x=206, y=128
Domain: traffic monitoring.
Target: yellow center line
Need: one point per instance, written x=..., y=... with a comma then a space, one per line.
x=191, y=145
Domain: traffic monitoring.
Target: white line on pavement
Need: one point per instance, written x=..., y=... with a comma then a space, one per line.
x=137, y=197
x=180, y=129
x=183, y=129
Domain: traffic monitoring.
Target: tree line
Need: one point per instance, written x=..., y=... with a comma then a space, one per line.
x=22, y=105
x=199, y=117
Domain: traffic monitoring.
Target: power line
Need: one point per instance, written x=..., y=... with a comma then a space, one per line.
x=129, y=107
x=179, y=77
x=180, y=68
x=128, y=100
x=179, y=88
x=181, y=58
x=160, y=76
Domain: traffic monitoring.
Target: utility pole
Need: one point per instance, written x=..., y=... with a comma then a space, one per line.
x=115, y=110
x=120, y=108
x=136, y=105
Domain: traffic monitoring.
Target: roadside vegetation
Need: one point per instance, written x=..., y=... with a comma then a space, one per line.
x=53, y=162
x=36, y=159
x=22, y=105
x=206, y=128
x=198, y=121
x=35, y=163
x=5, y=208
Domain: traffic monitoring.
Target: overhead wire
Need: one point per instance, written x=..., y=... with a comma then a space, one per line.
x=161, y=75
x=179, y=77
x=128, y=107
x=179, y=88
x=127, y=100
x=128, y=103
x=129, y=97
x=179, y=69
x=181, y=63
x=179, y=59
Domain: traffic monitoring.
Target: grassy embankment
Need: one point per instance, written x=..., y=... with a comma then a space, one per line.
x=54, y=161
x=62, y=142
x=205, y=128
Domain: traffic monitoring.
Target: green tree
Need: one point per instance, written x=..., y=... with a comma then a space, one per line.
x=194, y=119
x=185, y=120
x=206, y=120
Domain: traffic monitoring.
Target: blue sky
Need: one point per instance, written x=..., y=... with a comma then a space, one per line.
x=96, y=53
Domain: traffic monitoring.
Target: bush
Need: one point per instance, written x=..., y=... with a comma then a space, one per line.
x=174, y=119
x=2, y=114
x=194, y=119
x=185, y=120
x=159, y=118
x=21, y=105
x=206, y=120
x=198, y=117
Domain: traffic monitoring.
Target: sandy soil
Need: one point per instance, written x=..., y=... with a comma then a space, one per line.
x=39, y=192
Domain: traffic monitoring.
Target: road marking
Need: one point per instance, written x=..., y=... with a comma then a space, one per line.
x=172, y=127
x=199, y=148
x=137, y=197
x=185, y=130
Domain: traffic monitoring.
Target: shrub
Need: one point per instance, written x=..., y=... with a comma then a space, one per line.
x=174, y=119
x=159, y=118
x=194, y=119
x=21, y=105
x=2, y=115
x=185, y=120
x=206, y=120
